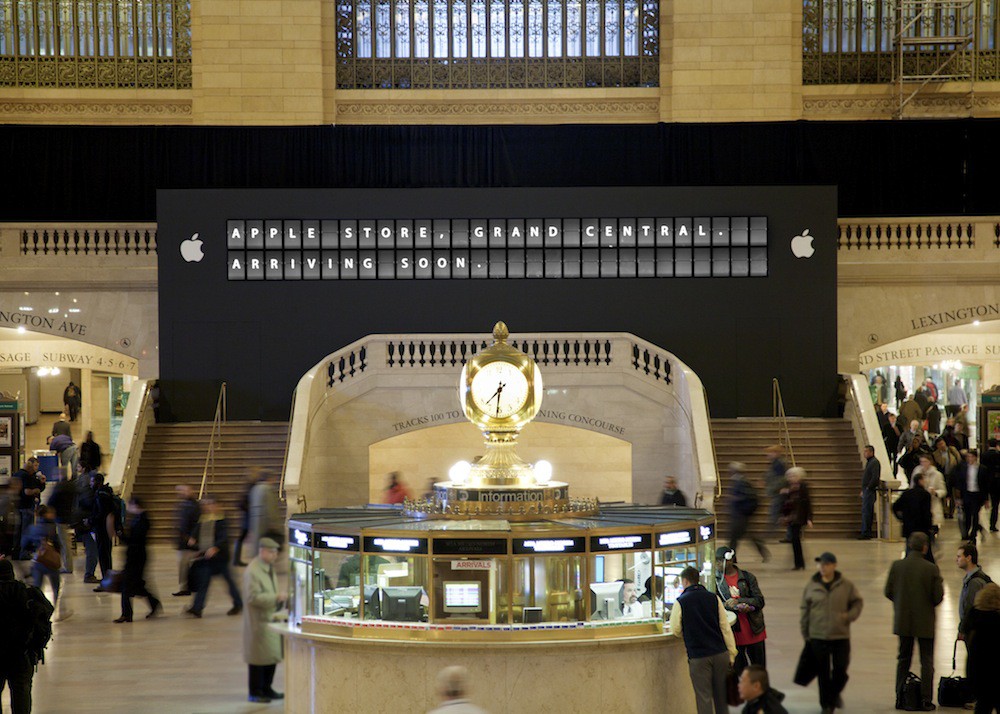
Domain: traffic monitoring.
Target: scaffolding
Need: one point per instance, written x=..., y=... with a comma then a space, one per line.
x=935, y=42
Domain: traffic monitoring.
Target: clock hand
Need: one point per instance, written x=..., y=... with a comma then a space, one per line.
x=496, y=394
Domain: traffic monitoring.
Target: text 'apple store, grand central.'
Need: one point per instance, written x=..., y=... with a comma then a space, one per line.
x=730, y=246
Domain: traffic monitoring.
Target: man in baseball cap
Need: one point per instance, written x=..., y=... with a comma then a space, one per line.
x=830, y=603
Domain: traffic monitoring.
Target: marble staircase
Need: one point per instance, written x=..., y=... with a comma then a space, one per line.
x=825, y=448
x=175, y=454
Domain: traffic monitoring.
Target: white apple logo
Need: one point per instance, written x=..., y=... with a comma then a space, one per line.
x=802, y=245
x=191, y=249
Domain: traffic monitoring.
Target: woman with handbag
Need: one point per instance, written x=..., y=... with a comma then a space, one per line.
x=796, y=512
x=42, y=542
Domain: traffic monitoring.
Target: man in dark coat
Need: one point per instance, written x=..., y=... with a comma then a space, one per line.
x=185, y=519
x=742, y=504
x=915, y=587
x=913, y=508
x=134, y=577
x=869, y=486
x=991, y=461
x=102, y=522
x=672, y=496
x=972, y=480
x=212, y=558
x=17, y=664
x=755, y=689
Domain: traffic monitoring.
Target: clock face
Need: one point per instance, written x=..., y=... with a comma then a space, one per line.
x=499, y=390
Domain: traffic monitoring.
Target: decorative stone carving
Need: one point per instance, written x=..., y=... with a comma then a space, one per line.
x=15, y=110
x=637, y=109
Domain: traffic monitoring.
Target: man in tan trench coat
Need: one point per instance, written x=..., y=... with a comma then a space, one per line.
x=261, y=643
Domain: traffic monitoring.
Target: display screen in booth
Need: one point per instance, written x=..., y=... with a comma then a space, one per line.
x=301, y=538
x=668, y=264
x=463, y=597
x=470, y=546
x=330, y=541
x=675, y=538
x=548, y=546
x=620, y=542
x=386, y=544
x=706, y=532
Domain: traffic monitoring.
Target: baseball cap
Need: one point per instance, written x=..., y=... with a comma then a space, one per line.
x=827, y=557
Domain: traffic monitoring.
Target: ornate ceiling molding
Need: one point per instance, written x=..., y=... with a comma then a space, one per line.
x=118, y=112
x=364, y=111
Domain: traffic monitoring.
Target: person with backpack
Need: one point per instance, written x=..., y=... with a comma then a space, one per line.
x=26, y=624
x=967, y=560
x=742, y=505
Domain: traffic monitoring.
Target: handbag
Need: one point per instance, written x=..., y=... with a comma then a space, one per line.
x=47, y=556
x=806, y=670
x=910, y=697
x=113, y=581
x=954, y=691
x=733, y=689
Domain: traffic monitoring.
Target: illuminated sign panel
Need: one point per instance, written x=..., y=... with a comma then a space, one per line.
x=620, y=542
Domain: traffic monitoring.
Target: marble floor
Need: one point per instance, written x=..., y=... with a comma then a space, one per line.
x=182, y=665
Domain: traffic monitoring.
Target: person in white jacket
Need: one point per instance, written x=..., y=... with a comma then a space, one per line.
x=935, y=485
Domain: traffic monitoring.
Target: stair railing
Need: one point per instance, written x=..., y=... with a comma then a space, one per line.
x=778, y=412
x=215, y=438
x=282, y=494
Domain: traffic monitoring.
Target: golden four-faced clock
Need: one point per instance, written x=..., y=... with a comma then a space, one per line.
x=501, y=387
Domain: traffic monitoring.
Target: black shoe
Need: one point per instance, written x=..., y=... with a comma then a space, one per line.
x=258, y=699
x=191, y=611
x=99, y=589
x=90, y=579
x=181, y=593
x=993, y=529
x=900, y=706
x=273, y=694
x=156, y=611
x=235, y=610
x=239, y=564
x=123, y=619
x=864, y=537
x=926, y=707
x=784, y=540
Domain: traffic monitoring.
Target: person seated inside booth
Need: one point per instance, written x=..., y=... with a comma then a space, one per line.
x=631, y=607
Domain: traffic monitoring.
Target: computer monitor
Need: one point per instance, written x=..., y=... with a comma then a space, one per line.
x=606, y=600
x=402, y=604
x=373, y=605
x=463, y=597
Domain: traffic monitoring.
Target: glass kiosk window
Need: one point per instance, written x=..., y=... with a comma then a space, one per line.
x=395, y=588
x=548, y=589
x=621, y=586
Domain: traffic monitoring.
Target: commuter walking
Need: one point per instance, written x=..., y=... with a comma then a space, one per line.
x=82, y=523
x=774, y=482
x=103, y=523
x=672, y=495
x=973, y=580
x=700, y=619
x=63, y=504
x=261, y=644
x=265, y=511
x=740, y=594
x=991, y=461
x=870, y=480
x=212, y=558
x=396, y=492
x=796, y=512
x=830, y=603
x=972, y=481
x=900, y=391
x=244, y=508
x=32, y=486
x=983, y=633
x=90, y=454
x=185, y=519
x=453, y=692
x=742, y=505
x=134, y=577
x=934, y=484
x=72, y=400
x=913, y=508
x=956, y=399
x=915, y=587
x=946, y=459
x=43, y=534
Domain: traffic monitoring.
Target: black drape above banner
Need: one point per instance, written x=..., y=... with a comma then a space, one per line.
x=70, y=173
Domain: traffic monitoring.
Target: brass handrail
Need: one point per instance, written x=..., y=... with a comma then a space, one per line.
x=711, y=440
x=778, y=413
x=124, y=489
x=217, y=422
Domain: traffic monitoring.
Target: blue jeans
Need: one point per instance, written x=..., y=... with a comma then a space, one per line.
x=38, y=571
x=90, y=551
x=202, y=572
x=867, y=511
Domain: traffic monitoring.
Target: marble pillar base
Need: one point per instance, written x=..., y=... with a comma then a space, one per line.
x=639, y=674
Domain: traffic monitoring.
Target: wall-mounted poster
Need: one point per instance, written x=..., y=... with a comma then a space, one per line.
x=6, y=468
x=6, y=431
